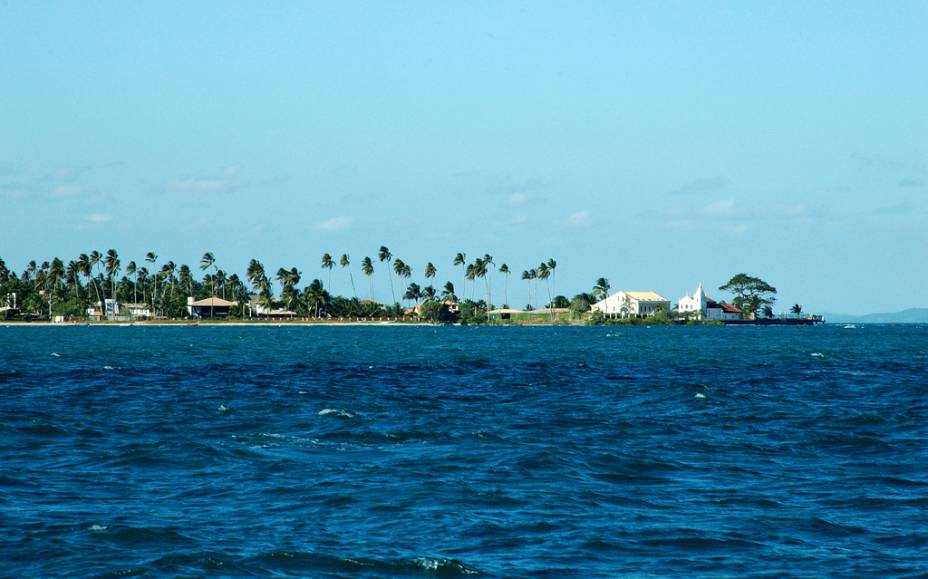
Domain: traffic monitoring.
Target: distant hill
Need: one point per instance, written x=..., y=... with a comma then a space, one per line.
x=909, y=316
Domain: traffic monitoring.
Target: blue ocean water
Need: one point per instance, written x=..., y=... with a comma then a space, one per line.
x=393, y=451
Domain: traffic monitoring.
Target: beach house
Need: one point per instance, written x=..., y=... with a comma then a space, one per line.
x=212, y=307
x=632, y=304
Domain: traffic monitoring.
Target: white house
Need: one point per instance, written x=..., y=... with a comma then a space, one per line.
x=632, y=304
x=114, y=309
x=705, y=308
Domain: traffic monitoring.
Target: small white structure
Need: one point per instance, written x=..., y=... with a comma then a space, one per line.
x=705, y=308
x=632, y=304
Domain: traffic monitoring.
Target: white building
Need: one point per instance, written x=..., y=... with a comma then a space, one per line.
x=628, y=304
x=114, y=309
x=705, y=308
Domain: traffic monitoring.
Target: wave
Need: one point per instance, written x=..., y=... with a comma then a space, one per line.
x=336, y=412
x=301, y=561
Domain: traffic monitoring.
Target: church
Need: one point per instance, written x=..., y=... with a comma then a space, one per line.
x=706, y=308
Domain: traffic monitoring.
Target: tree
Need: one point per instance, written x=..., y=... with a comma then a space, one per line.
x=601, y=288
x=796, y=309
x=367, y=268
x=316, y=296
x=552, y=267
x=544, y=272
x=112, y=270
x=345, y=262
x=133, y=270
x=504, y=269
x=751, y=293
x=768, y=311
x=430, y=270
x=447, y=293
x=151, y=257
x=209, y=261
x=328, y=263
x=384, y=255
x=461, y=259
x=86, y=268
x=259, y=282
x=413, y=292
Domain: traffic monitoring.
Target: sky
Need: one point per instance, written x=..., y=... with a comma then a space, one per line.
x=660, y=145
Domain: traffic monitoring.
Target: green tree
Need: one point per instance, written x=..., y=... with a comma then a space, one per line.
x=328, y=264
x=209, y=261
x=384, y=255
x=751, y=293
x=461, y=259
x=345, y=262
x=367, y=268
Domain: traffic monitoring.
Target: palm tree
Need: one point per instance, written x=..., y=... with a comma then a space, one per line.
x=260, y=283
x=72, y=273
x=209, y=261
x=430, y=270
x=527, y=276
x=398, y=266
x=56, y=274
x=601, y=288
x=151, y=257
x=461, y=259
x=328, y=264
x=185, y=277
x=316, y=296
x=429, y=293
x=447, y=293
x=345, y=262
x=367, y=268
x=95, y=259
x=142, y=275
x=288, y=280
x=552, y=267
x=504, y=269
x=384, y=255
x=796, y=309
x=413, y=292
x=133, y=270
x=85, y=266
x=544, y=272
x=470, y=272
x=485, y=270
x=167, y=271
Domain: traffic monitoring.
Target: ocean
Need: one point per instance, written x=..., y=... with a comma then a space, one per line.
x=456, y=451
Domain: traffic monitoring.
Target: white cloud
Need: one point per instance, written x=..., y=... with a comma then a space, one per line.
x=198, y=184
x=336, y=223
x=518, y=199
x=722, y=208
x=66, y=190
x=99, y=218
x=579, y=219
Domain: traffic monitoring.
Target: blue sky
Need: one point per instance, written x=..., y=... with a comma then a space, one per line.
x=657, y=144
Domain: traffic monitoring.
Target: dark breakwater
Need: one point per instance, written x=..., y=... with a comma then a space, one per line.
x=354, y=451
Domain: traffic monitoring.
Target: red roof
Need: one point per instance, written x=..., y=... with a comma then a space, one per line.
x=730, y=308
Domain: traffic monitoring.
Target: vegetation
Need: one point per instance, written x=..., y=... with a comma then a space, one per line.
x=752, y=295
x=83, y=287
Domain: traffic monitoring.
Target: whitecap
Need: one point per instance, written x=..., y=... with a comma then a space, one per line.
x=335, y=412
x=108, y=368
x=98, y=528
x=817, y=355
x=56, y=354
x=223, y=408
x=699, y=396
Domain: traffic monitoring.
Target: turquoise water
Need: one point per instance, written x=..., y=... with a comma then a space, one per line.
x=379, y=451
